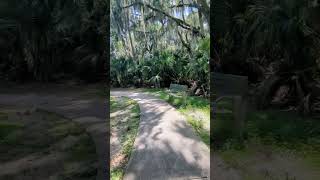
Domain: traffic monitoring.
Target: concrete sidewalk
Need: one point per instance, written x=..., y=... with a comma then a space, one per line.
x=166, y=147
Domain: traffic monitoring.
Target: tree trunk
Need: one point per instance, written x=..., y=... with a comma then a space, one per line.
x=201, y=22
x=132, y=50
x=205, y=9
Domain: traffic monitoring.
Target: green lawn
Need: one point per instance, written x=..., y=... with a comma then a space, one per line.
x=125, y=116
x=196, y=109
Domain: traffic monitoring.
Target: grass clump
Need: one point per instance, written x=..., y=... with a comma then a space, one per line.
x=6, y=131
x=63, y=129
x=117, y=174
x=82, y=150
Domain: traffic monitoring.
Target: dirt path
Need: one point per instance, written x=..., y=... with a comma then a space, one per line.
x=89, y=112
x=166, y=147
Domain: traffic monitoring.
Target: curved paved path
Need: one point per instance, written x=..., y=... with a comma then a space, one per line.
x=89, y=112
x=166, y=147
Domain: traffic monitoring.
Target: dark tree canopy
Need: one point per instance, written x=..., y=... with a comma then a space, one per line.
x=47, y=40
x=276, y=43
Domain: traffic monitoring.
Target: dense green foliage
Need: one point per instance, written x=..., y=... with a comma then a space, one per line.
x=156, y=43
x=48, y=40
x=164, y=67
x=275, y=43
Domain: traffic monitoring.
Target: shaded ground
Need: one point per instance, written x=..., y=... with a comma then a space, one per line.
x=78, y=103
x=278, y=145
x=166, y=147
x=40, y=145
x=260, y=162
x=124, y=121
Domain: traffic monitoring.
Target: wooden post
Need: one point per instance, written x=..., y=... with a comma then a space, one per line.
x=239, y=107
x=184, y=96
x=228, y=85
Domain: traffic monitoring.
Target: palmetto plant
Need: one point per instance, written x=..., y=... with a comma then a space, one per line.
x=162, y=69
x=155, y=80
x=274, y=37
x=161, y=37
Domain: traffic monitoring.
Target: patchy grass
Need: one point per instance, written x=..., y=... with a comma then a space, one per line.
x=6, y=129
x=117, y=173
x=196, y=109
x=125, y=116
x=277, y=145
x=62, y=129
x=258, y=161
x=83, y=150
x=96, y=91
x=285, y=129
x=25, y=133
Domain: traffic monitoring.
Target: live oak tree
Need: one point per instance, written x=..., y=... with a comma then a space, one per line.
x=166, y=41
